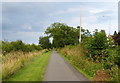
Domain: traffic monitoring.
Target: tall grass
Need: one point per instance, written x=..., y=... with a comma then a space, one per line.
x=13, y=61
x=33, y=71
x=94, y=70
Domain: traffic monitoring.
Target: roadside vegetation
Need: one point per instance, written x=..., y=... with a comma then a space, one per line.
x=16, y=55
x=12, y=62
x=19, y=45
x=94, y=70
x=97, y=56
x=34, y=71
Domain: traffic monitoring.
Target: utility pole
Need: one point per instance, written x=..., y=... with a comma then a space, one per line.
x=80, y=23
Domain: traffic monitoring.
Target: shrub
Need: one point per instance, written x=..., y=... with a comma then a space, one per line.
x=117, y=56
x=96, y=45
x=104, y=63
x=18, y=45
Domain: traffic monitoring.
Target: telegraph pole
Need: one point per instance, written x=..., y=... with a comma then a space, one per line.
x=80, y=23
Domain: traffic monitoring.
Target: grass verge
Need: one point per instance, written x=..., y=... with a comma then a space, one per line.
x=33, y=71
x=89, y=77
x=13, y=61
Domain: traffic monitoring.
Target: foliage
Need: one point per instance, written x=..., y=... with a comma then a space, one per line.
x=96, y=44
x=62, y=34
x=45, y=42
x=100, y=55
x=115, y=33
x=94, y=69
x=99, y=40
x=18, y=45
x=117, y=56
x=117, y=38
x=110, y=43
x=101, y=48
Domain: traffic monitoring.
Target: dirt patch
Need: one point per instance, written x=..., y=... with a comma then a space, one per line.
x=101, y=76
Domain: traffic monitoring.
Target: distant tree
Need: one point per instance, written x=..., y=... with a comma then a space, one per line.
x=18, y=46
x=78, y=27
x=117, y=38
x=6, y=47
x=85, y=34
x=33, y=47
x=115, y=33
x=62, y=34
x=44, y=42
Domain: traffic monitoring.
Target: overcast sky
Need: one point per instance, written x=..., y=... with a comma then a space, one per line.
x=59, y=0
x=27, y=21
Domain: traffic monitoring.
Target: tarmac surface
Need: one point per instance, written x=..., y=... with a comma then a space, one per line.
x=58, y=69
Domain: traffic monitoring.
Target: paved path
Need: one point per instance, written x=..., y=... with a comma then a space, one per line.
x=59, y=69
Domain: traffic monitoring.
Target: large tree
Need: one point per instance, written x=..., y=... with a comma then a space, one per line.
x=62, y=34
x=44, y=42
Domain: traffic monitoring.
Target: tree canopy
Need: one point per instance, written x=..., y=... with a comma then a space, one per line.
x=62, y=34
x=44, y=42
x=18, y=45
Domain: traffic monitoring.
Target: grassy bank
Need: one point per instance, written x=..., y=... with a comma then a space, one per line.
x=12, y=62
x=33, y=71
x=76, y=56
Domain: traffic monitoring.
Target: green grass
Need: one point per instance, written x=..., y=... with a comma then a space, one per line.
x=33, y=71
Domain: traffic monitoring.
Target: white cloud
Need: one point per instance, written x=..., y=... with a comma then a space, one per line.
x=69, y=10
x=27, y=27
x=94, y=11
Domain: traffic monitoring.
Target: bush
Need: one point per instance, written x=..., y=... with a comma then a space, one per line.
x=105, y=62
x=117, y=56
x=96, y=45
x=18, y=45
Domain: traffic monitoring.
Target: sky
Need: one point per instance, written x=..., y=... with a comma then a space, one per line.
x=27, y=21
x=119, y=16
x=60, y=0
